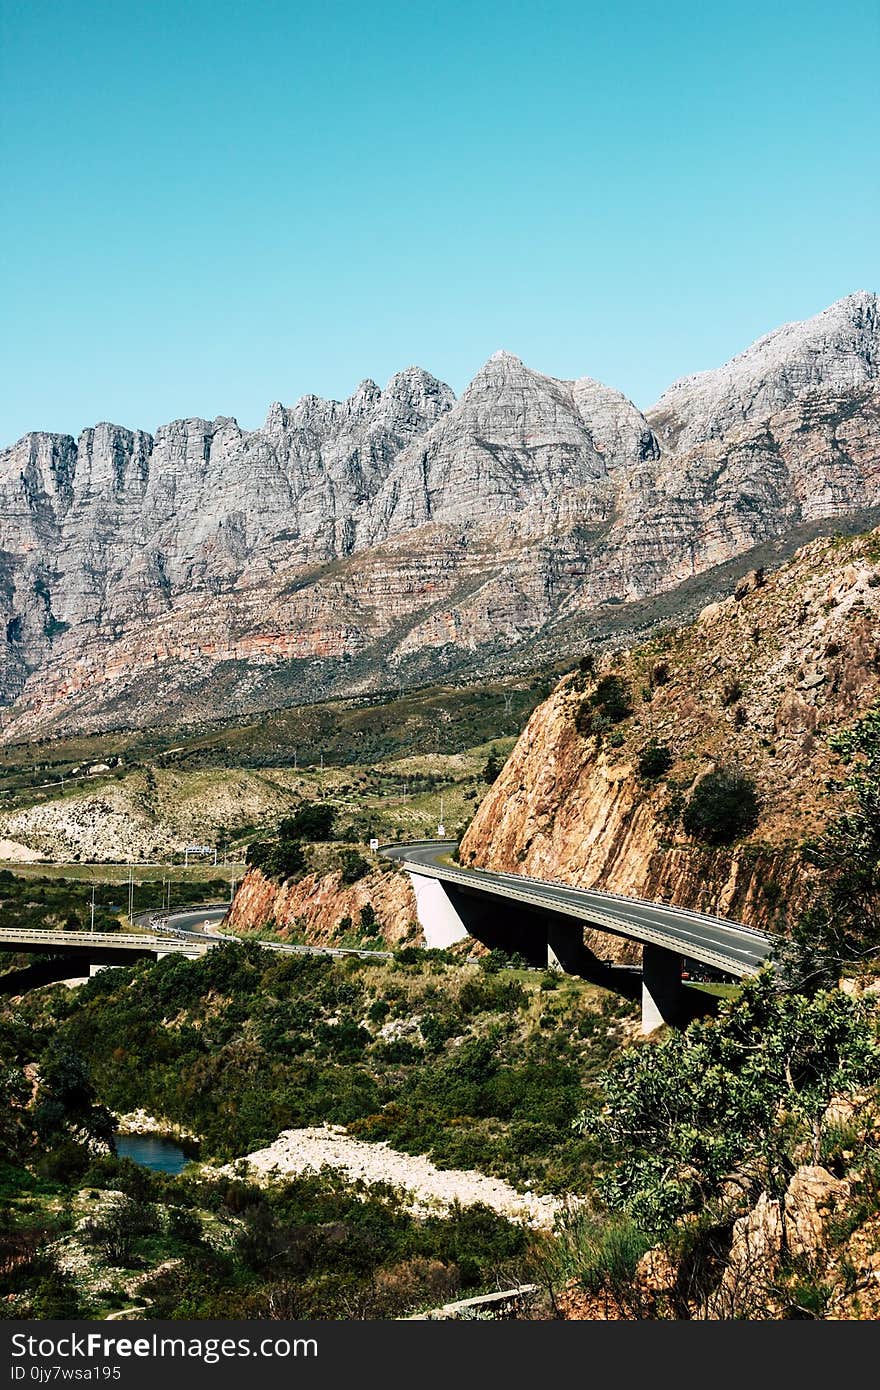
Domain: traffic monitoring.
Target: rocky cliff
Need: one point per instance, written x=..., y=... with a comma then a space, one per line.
x=209, y=570
x=313, y=907
x=757, y=684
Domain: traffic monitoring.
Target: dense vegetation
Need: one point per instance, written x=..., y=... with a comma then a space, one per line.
x=746, y=1088
x=285, y=856
x=483, y=1069
x=480, y=1067
x=313, y=1247
x=723, y=806
x=842, y=928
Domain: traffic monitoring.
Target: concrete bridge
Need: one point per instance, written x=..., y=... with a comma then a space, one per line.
x=544, y=921
x=101, y=948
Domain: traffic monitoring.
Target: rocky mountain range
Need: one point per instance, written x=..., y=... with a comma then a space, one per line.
x=209, y=571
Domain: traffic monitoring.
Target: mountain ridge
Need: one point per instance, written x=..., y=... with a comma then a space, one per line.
x=403, y=525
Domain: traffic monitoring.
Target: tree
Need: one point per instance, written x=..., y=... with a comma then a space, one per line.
x=610, y=703
x=842, y=926
x=280, y=860
x=681, y=1115
x=311, y=821
x=492, y=769
x=117, y=1229
x=655, y=760
x=722, y=806
x=65, y=1106
x=354, y=866
x=368, y=921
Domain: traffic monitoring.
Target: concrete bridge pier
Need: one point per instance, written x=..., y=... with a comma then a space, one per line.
x=448, y=914
x=662, y=990
x=566, y=951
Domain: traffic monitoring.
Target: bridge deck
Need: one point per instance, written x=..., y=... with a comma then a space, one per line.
x=716, y=941
x=17, y=939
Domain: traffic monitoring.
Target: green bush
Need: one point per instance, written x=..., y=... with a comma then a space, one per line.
x=354, y=866
x=311, y=821
x=723, y=806
x=492, y=769
x=277, y=859
x=681, y=1115
x=610, y=703
x=655, y=760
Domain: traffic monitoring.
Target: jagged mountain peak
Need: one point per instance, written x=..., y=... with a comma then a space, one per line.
x=838, y=348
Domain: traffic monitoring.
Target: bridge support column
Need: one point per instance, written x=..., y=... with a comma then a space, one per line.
x=447, y=914
x=566, y=951
x=439, y=915
x=662, y=994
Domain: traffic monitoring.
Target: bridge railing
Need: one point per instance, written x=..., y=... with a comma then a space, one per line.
x=575, y=888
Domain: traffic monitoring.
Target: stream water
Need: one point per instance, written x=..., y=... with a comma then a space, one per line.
x=151, y=1151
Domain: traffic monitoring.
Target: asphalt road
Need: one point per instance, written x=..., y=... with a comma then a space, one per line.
x=193, y=924
x=715, y=941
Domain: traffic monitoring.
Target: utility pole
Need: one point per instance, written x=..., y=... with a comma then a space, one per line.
x=93, y=908
x=130, y=892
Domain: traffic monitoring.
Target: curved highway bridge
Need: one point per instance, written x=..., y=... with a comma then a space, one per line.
x=542, y=918
x=97, y=947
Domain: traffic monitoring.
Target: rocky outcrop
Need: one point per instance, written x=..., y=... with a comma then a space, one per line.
x=210, y=570
x=759, y=682
x=313, y=907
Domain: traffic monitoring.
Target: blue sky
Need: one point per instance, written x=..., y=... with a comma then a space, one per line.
x=209, y=206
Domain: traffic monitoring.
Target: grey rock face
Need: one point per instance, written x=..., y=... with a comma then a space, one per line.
x=837, y=350
x=112, y=528
x=515, y=439
x=221, y=570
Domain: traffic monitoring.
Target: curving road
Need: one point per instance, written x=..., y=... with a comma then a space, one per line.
x=201, y=924
x=715, y=941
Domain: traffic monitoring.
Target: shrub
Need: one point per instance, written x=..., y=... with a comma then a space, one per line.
x=655, y=760
x=609, y=704
x=311, y=821
x=613, y=697
x=117, y=1230
x=354, y=866
x=722, y=806
x=279, y=860
x=660, y=673
x=368, y=921
x=492, y=768
x=680, y=1116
